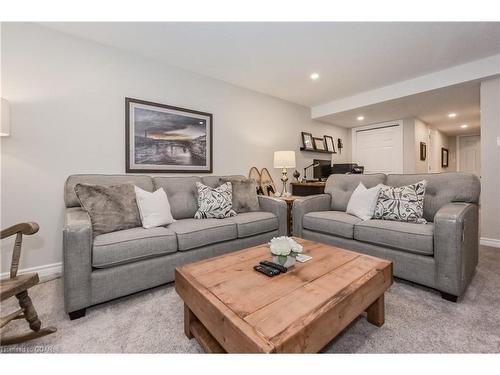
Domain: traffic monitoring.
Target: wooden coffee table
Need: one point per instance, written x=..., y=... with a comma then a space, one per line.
x=229, y=307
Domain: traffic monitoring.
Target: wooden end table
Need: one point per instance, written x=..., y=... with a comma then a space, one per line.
x=289, y=205
x=229, y=307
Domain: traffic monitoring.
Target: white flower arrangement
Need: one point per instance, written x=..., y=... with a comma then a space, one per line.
x=283, y=247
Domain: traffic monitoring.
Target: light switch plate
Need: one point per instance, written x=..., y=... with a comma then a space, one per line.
x=498, y=141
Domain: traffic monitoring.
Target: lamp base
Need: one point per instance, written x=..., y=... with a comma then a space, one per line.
x=284, y=179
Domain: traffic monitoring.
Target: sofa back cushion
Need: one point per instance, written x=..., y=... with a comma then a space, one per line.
x=214, y=181
x=71, y=200
x=341, y=187
x=182, y=194
x=441, y=188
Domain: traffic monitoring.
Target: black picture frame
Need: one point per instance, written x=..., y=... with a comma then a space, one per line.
x=423, y=151
x=319, y=144
x=329, y=143
x=444, y=157
x=182, y=154
x=307, y=141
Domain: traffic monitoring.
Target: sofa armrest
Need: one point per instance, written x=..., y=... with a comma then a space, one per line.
x=456, y=244
x=311, y=203
x=77, y=259
x=277, y=207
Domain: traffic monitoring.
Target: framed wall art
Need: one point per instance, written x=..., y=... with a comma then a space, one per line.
x=423, y=151
x=307, y=141
x=319, y=144
x=160, y=138
x=329, y=143
x=444, y=157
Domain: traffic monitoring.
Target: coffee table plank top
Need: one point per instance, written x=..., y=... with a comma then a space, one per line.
x=284, y=313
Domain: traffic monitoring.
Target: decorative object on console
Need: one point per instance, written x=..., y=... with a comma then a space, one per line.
x=444, y=157
x=340, y=146
x=363, y=201
x=319, y=144
x=161, y=138
x=307, y=141
x=284, y=160
x=214, y=203
x=423, y=151
x=244, y=195
x=284, y=250
x=330, y=144
x=296, y=175
x=404, y=203
x=154, y=208
x=4, y=118
x=267, y=182
x=110, y=208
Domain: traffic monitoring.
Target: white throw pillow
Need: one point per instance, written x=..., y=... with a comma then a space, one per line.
x=154, y=208
x=363, y=201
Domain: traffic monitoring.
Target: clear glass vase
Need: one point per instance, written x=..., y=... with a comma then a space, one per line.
x=287, y=261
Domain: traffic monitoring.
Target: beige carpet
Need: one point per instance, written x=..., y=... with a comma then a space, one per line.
x=417, y=320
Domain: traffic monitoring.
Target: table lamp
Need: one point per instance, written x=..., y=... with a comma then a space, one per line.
x=284, y=160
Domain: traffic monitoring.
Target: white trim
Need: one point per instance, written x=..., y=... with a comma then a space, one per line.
x=46, y=272
x=474, y=70
x=399, y=125
x=493, y=242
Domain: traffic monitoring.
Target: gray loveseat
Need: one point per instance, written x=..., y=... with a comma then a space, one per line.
x=441, y=254
x=116, y=264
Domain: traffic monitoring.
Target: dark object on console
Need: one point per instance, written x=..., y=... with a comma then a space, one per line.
x=322, y=169
x=347, y=168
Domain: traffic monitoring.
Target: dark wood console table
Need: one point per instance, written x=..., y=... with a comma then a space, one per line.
x=307, y=188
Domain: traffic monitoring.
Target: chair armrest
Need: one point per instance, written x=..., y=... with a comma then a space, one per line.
x=311, y=203
x=22, y=228
x=456, y=244
x=77, y=259
x=277, y=207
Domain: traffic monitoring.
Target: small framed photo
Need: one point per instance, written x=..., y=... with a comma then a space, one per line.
x=444, y=157
x=423, y=151
x=307, y=141
x=330, y=144
x=319, y=144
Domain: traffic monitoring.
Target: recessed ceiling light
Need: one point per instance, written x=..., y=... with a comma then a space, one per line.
x=361, y=118
x=314, y=76
x=201, y=122
x=464, y=126
x=452, y=115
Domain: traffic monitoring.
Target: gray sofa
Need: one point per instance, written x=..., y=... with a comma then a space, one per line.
x=441, y=254
x=116, y=264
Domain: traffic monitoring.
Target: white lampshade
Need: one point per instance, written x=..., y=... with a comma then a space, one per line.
x=284, y=159
x=4, y=118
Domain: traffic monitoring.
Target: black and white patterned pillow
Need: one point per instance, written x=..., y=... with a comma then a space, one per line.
x=216, y=202
x=405, y=203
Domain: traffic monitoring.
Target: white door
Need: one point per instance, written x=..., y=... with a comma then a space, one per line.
x=379, y=150
x=469, y=154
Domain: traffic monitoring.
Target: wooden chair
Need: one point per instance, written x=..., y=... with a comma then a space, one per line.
x=18, y=286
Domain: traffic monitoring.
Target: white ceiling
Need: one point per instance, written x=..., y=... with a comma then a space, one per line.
x=277, y=58
x=432, y=107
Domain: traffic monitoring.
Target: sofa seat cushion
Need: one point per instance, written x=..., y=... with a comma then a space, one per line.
x=253, y=223
x=336, y=223
x=410, y=237
x=193, y=233
x=130, y=245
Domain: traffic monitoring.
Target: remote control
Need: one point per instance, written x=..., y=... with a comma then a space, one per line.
x=279, y=267
x=266, y=270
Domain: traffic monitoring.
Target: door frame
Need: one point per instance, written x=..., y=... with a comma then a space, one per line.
x=458, y=147
x=396, y=123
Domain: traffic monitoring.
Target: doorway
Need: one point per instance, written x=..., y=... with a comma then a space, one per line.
x=469, y=154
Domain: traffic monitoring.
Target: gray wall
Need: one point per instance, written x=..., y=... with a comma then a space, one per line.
x=67, y=110
x=490, y=160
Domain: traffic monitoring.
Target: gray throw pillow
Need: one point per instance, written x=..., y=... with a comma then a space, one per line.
x=111, y=208
x=214, y=203
x=244, y=195
x=404, y=203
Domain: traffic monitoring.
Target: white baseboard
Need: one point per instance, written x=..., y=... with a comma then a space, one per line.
x=490, y=242
x=45, y=273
